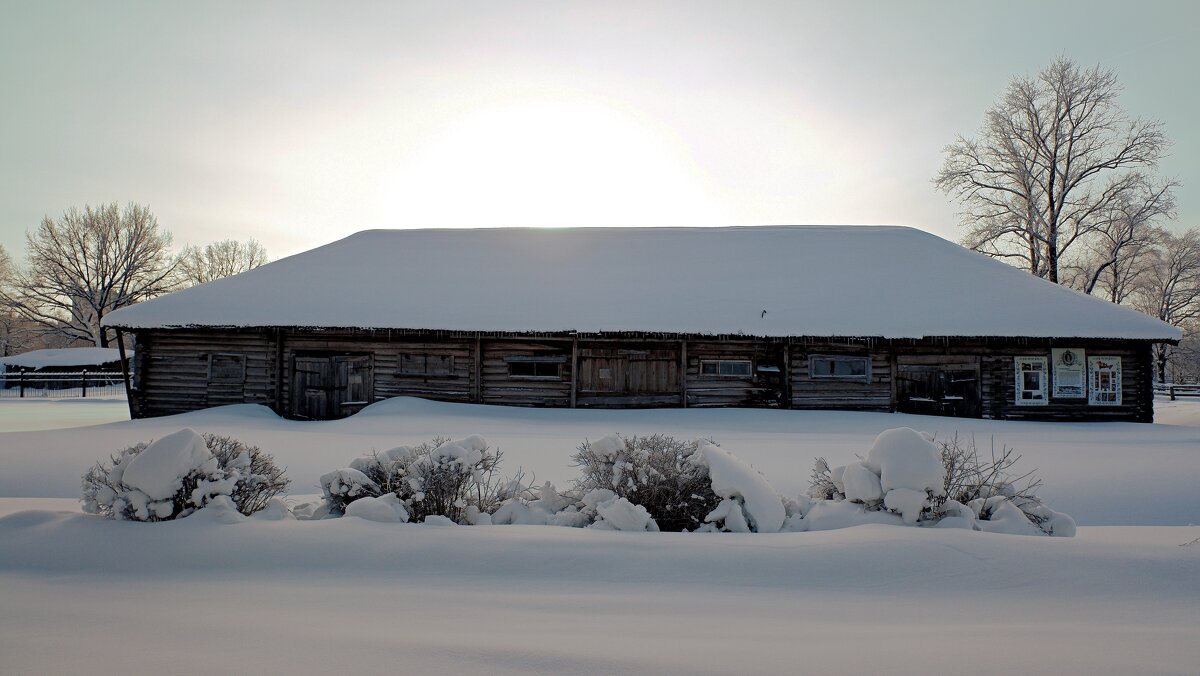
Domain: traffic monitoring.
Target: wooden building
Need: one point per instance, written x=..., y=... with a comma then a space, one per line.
x=804, y=317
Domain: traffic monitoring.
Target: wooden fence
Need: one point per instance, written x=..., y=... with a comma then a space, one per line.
x=29, y=384
x=1174, y=390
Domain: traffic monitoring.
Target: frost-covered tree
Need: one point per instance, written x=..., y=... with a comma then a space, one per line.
x=1171, y=288
x=1057, y=160
x=87, y=263
x=197, y=265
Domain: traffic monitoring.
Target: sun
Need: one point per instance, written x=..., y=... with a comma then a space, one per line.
x=547, y=165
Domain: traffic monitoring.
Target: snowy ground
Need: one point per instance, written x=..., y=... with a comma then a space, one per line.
x=80, y=594
x=1102, y=474
x=31, y=414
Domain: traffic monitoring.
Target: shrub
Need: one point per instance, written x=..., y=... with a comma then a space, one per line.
x=178, y=474
x=657, y=472
x=456, y=479
x=983, y=492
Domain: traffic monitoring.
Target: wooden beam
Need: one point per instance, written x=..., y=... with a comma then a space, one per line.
x=574, y=368
x=278, y=372
x=129, y=399
x=476, y=385
x=683, y=365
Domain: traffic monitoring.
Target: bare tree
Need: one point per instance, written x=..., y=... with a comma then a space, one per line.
x=1118, y=254
x=228, y=257
x=1055, y=158
x=9, y=320
x=1171, y=291
x=88, y=263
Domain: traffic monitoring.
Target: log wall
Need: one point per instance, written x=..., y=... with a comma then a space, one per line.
x=171, y=370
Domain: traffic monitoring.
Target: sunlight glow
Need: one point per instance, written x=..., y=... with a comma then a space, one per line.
x=546, y=164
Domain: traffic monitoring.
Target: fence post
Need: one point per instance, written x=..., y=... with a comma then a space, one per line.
x=1172, y=393
x=84, y=381
x=21, y=380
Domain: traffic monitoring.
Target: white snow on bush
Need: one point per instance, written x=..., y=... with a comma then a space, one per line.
x=347, y=481
x=734, y=479
x=998, y=514
x=861, y=484
x=837, y=514
x=221, y=509
x=620, y=514
x=386, y=508
x=906, y=458
x=159, y=470
x=906, y=502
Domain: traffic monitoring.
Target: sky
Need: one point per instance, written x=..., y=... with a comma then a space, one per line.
x=299, y=123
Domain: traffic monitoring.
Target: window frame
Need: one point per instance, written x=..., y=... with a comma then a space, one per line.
x=1114, y=367
x=240, y=379
x=720, y=363
x=864, y=377
x=1018, y=380
x=425, y=372
x=556, y=362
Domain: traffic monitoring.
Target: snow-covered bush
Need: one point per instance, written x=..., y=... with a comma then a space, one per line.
x=459, y=480
x=681, y=485
x=944, y=483
x=180, y=473
x=657, y=472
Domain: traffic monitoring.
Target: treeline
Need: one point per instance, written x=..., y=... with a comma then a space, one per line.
x=91, y=261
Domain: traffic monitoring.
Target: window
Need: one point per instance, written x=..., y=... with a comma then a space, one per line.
x=725, y=367
x=1031, y=380
x=426, y=365
x=227, y=368
x=535, y=368
x=1104, y=381
x=835, y=367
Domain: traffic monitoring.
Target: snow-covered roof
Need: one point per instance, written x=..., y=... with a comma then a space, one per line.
x=885, y=281
x=69, y=356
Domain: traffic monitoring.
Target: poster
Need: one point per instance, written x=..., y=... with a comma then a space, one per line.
x=1069, y=373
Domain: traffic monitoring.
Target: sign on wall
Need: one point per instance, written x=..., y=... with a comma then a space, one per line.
x=1069, y=373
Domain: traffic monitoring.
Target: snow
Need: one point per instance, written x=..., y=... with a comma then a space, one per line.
x=159, y=470
x=386, y=508
x=1100, y=473
x=215, y=591
x=59, y=357
x=905, y=458
x=860, y=483
x=620, y=514
x=349, y=595
x=733, y=479
x=892, y=282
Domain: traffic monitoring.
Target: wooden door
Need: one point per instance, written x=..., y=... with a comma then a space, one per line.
x=602, y=375
x=353, y=386
x=652, y=372
x=939, y=389
x=326, y=387
x=312, y=387
x=628, y=377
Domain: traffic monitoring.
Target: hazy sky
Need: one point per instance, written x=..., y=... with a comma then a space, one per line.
x=299, y=123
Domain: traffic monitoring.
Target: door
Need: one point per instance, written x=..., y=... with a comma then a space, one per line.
x=939, y=389
x=326, y=387
x=636, y=377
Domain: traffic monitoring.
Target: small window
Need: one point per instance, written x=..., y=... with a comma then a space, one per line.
x=535, y=369
x=725, y=367
x=226, y=368
x=1031, y=380
x=835, y=367
x=1104, y=381
x=426, y=365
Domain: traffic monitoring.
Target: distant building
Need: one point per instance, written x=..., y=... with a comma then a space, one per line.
x=803, y=317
